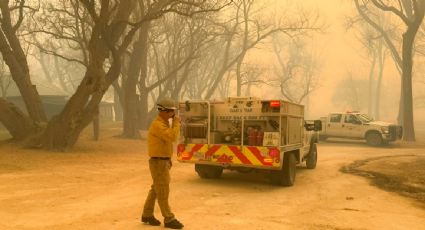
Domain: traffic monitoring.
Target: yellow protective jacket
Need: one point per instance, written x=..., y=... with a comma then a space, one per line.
x=161, y=137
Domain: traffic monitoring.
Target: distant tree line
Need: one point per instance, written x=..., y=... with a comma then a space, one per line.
x=391, y=29
x=145, y=50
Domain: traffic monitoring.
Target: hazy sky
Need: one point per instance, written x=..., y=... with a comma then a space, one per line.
x=340, y=53
x=336, y=47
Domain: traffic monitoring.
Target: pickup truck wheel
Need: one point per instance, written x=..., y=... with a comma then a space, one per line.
x=285, y=176
x=312, y=157
x=208, y=171
x=374, y=139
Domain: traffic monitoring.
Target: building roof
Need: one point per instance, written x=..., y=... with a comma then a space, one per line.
x=44, y=89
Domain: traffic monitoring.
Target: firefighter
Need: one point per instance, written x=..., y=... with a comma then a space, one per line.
x=161, y=136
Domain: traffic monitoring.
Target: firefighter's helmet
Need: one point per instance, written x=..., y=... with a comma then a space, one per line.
x=166, y=103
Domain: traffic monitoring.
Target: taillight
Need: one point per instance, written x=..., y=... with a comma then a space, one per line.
x=273, y=153
x=275, y=104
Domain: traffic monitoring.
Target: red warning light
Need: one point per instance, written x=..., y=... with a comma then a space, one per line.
x=273, y=153
x=275, y=104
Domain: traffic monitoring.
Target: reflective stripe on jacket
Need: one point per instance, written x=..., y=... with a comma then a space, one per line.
x=161, y=137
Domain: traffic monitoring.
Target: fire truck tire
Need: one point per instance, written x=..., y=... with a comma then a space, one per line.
x=374, y=138
x=208, y=171
x=312, y=157
x=286, y=176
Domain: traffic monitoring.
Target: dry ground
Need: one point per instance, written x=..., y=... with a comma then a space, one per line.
x=403, y=174
x=102, y=185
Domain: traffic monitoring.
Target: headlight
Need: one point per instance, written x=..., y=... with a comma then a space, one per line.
x=384, y=129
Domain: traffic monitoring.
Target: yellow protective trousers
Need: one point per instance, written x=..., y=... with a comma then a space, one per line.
x=160, y=189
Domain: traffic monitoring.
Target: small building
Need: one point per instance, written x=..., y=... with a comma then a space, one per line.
x=106, y=111
x=54, y=100
x=52, y=97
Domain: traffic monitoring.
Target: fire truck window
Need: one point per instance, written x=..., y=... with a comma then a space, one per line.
x=336, y=118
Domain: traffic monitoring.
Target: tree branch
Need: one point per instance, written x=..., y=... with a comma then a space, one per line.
x=384, y=7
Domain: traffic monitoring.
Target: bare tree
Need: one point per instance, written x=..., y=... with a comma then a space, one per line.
x=411, y=13
x=252, y=77
x=13, y=54
x=247, y=29
x=297, y=70
x=111, y=32
x=174, y=46
x=351, y=94
x=109, y=38
x=60, y=32
x=135, y=65
x=376, y=52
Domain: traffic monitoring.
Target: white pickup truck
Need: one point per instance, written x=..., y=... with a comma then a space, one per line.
x=355, y=125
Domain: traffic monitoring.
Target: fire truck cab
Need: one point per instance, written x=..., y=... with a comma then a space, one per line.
x=247, y=134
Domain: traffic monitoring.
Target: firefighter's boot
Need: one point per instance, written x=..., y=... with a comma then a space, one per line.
x=151, y=221
x=174, y=224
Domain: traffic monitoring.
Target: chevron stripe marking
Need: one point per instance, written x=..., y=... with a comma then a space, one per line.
x=258, y=155
x=239, y=155
x=212, y=150
x=194, y=149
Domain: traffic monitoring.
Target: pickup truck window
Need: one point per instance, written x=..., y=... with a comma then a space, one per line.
x=350, y=119
x=335, y=118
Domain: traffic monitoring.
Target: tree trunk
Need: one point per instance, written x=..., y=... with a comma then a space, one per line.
x=16, y=122
x=63, y=130
x=223, y=69
x=96, y=125
x=138, y=59
x=144, y=110
x=18, y=66
x=246, y=10
x=381, y=62
x=144, y=92
x=400, y=117
x=371, y=86
x=408, y=122
x=45, y=66
x=117, y=106
x=238, y=76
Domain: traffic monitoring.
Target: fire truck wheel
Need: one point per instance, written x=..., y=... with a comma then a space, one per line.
x=208, y=171
x=374, y=138
x=289, y=169
x=286, y=176
x=312, y=157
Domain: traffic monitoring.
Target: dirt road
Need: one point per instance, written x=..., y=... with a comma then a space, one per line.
x=102, y=185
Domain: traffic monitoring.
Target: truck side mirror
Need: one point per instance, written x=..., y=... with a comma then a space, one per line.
x=187, y=106
x=309, y=126
x=317, y=125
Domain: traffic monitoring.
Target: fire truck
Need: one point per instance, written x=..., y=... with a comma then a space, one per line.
x=247, y=134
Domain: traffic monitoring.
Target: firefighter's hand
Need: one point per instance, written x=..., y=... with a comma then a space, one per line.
x=176, y=119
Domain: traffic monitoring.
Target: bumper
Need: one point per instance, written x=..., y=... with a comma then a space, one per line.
x=395, y=132
x=231, y=155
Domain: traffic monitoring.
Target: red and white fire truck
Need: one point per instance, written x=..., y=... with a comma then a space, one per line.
x=247, y=134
